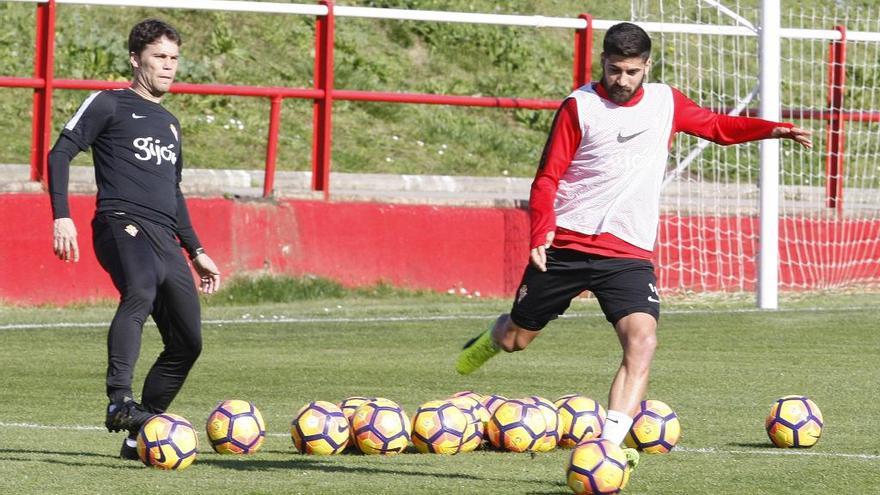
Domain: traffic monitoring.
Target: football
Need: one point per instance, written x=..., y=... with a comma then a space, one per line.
x=655, y=428
x=167, y=441
x=439, y=427
x=474, y=407
x=517, y=426
x=381, y=427
x=581, y=418
x=491, y=402
x=474, y=434
x=478, y=417
x=596, y=467
x=553, y=431
x=348, y=406
x=467, y=393
x=235, y=427
x=319, y=428
x=794, y=421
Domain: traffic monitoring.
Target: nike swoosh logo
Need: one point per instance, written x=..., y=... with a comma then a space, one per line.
x=651, y=299
x=161, y=459
x=136, y=116
x=622, y=139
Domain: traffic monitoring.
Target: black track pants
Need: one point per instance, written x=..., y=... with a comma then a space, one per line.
x=149, y=270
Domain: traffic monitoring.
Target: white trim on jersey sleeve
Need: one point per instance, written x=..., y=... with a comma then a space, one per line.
x=79, y=113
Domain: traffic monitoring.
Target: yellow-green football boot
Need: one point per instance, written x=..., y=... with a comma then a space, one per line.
x=476, y=352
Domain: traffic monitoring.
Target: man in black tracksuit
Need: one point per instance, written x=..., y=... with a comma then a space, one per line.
x=141, y=221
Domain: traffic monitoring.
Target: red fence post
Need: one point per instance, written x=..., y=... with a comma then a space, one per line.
x=44, y=61
x=835, y=130
x=583, y=52
x=322, y=127
x=272, y=146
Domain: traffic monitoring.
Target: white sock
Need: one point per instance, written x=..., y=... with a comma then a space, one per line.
x=617, y=425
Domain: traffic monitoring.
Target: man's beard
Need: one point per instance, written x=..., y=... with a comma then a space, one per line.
x=618, y=94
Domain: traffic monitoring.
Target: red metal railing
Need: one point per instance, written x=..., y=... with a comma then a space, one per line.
x=835, y=130
x=583, y=52
x=44, y=69
x=323, y=94
x=322, y=122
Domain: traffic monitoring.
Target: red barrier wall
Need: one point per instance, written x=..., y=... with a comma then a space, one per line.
x=480, y=249
x=715, y=252
x=417, y=246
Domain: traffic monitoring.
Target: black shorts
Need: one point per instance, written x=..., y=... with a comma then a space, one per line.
x=622, y=286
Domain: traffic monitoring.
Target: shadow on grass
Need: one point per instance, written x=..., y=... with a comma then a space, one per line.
x=309, y=463
x=68, y=458
x=325, y=464
x=55, y=452
x=562, y=488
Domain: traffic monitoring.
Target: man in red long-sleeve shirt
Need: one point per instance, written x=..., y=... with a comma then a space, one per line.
x=594, y=210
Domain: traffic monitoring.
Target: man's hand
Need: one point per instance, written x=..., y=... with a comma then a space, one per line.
x=64, y=240
x=796, y=134
x=538, y=256
x=208, y=272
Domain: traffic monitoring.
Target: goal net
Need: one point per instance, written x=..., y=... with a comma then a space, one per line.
x=829, y=228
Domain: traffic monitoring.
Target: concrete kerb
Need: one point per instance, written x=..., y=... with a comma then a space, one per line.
x=681, y=197
x=246, y=184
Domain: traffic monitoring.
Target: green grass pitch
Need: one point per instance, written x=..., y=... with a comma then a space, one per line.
x=719, y=365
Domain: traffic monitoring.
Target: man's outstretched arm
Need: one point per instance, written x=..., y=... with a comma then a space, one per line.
x=693, y=119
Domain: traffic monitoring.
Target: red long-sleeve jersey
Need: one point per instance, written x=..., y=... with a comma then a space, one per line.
x=609, y=198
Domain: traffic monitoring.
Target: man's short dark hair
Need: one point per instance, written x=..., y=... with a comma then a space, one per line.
x=149, y=31
x=627, y=40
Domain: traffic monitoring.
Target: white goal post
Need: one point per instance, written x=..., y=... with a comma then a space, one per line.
x=768, y=240
x=819, y=227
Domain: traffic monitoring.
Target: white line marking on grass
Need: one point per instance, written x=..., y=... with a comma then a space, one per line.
x=244, y=321
x=274, y=319
x=687, y=450
x=42, y=326
x=712, y=450
x=35, y=426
